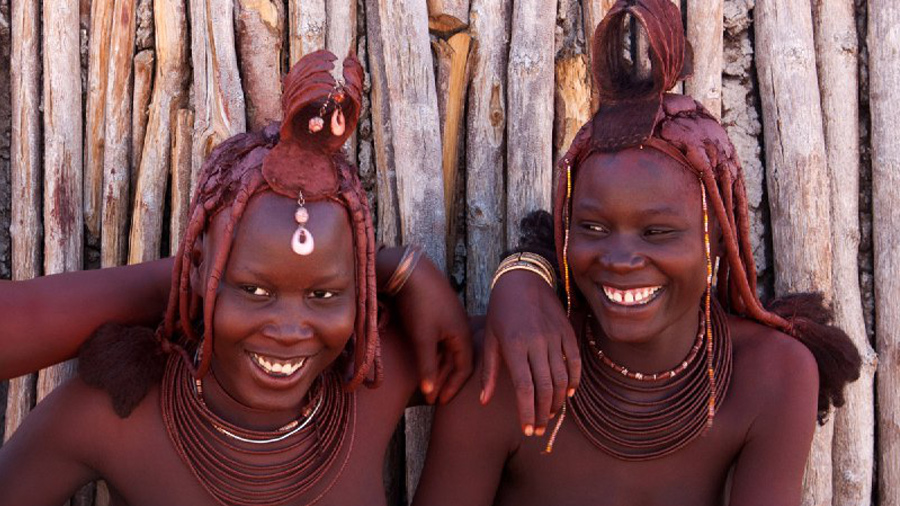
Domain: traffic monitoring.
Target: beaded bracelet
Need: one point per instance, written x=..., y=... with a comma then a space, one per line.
x=408, y=262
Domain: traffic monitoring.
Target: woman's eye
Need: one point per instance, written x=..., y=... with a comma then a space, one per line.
x=321, y=294
x=256, y=290
x=657, y=232
x=593, y=227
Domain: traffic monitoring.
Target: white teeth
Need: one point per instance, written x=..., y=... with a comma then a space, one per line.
x=277, y=368
x=633, y=297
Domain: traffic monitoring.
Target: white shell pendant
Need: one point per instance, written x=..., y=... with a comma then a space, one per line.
x=302, y=242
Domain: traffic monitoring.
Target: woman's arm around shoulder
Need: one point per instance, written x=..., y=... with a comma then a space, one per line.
x=58, y=448
x=769, y=468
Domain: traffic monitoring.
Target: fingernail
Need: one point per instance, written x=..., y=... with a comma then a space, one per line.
x=540, y=431
x=571, y=392
x=529, y=430
x=482, y=396
x=427, y=387
x=552, y=415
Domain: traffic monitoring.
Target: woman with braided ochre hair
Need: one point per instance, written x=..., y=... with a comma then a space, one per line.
x=686, y=378
x=248, y=393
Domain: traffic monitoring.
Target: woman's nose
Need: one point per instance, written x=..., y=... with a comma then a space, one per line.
x=290, y=322
x=619, y=256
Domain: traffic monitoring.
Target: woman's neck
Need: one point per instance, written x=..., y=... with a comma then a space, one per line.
x=224, y=405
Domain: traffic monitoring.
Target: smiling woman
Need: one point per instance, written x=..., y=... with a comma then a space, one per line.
x=247, y=394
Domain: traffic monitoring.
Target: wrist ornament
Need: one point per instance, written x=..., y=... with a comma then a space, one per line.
x=526, y=261
x=411, y=256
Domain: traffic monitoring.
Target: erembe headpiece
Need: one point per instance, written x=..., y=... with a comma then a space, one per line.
x=640, y=112
x=301, y=159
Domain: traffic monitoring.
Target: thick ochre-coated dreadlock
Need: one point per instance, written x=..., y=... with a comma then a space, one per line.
x=639, y=113
x=289, y=159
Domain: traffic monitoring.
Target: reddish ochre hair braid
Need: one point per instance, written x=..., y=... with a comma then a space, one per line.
x=640, y=113
x=267, y=160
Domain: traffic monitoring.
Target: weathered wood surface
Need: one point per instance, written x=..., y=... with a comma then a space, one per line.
x=94, y=130
x=485, y=148
x=307, y=25
x=884, y=95
x=447, y=17
x=452, y=84
x=797, y=178
x=592, y=13
x=340, y=39
x=63, y=185
x=529, y=133
x=143, y=86
x=388, y=220
x=705, y=33
x=259, y=31
x=218, y=99
x=117, y=134
x=572, y=101
x=853, y=445
x=181, y=177
x=25, y=166
x=169, y=94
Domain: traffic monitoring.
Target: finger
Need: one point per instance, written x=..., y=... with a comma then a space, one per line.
x=543, y=388
x=461, y=355
x=523, y=384
x=427, y=362
x=573, y=358
x=560, y=376
x=489, y=367
x=443, y=373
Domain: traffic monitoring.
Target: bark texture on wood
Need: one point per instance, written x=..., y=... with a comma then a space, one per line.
x=884, y=93
x=307, y=26
x=117, y=152
x=572, y=101
x=340, y=39
x=593, y=12
x=181, y=177
x=98, y=67
x=446, y=17
x=63, y=186
x=386, y=186
x=529, y=171
x=259, y=33
x=25, y=167
x=169, y=94
x=452, y=83
x=218, y=100
x=415, y=131
x=797, y=178
x=854, y=433
x=143, y=86
x=705, y=33
x=485, y=148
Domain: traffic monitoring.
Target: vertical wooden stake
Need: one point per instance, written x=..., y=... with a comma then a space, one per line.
x=797, y=178
x=705, y=21
x=259, y=33
x=63, y=187
x=884, y=95
x=529, y=130
x=98, y=65
x=485, y=145
x=169, y=94
x=307, y=27
x=446, y=17
x=181, y=177
x=593, y=12
x=117, y=153
x=143, y=86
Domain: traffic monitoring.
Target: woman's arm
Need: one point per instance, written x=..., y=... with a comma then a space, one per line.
x=44, y=320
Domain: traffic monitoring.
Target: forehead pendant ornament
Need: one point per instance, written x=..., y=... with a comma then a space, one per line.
x=302, y=241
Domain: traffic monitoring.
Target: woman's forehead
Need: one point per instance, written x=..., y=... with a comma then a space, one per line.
x=635, y=169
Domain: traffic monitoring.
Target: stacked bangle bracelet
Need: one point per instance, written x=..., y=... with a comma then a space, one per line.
x=408, y=262
x=526, y=261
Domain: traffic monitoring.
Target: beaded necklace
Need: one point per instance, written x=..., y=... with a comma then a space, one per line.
x=242, y=467
x=637, y=416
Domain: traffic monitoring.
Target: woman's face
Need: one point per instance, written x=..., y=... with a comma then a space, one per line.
x=280, y=318
x=636, y=244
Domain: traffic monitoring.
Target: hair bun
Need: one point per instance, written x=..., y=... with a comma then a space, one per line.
x=320, y=114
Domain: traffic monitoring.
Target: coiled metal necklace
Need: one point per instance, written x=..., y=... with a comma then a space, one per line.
x=641, y=416
x=242, y=467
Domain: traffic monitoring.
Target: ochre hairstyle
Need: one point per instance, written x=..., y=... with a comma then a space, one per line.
x=640, y=113
x=287, y=159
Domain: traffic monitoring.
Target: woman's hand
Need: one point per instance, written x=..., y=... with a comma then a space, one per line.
x=436, y=323
x=527, y=326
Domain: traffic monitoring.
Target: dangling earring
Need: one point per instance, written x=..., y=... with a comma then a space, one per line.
x=338, y=126
x=302, y=241
x=711, y=412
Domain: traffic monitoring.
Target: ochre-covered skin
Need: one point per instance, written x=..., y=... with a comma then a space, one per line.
x=628, y=217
